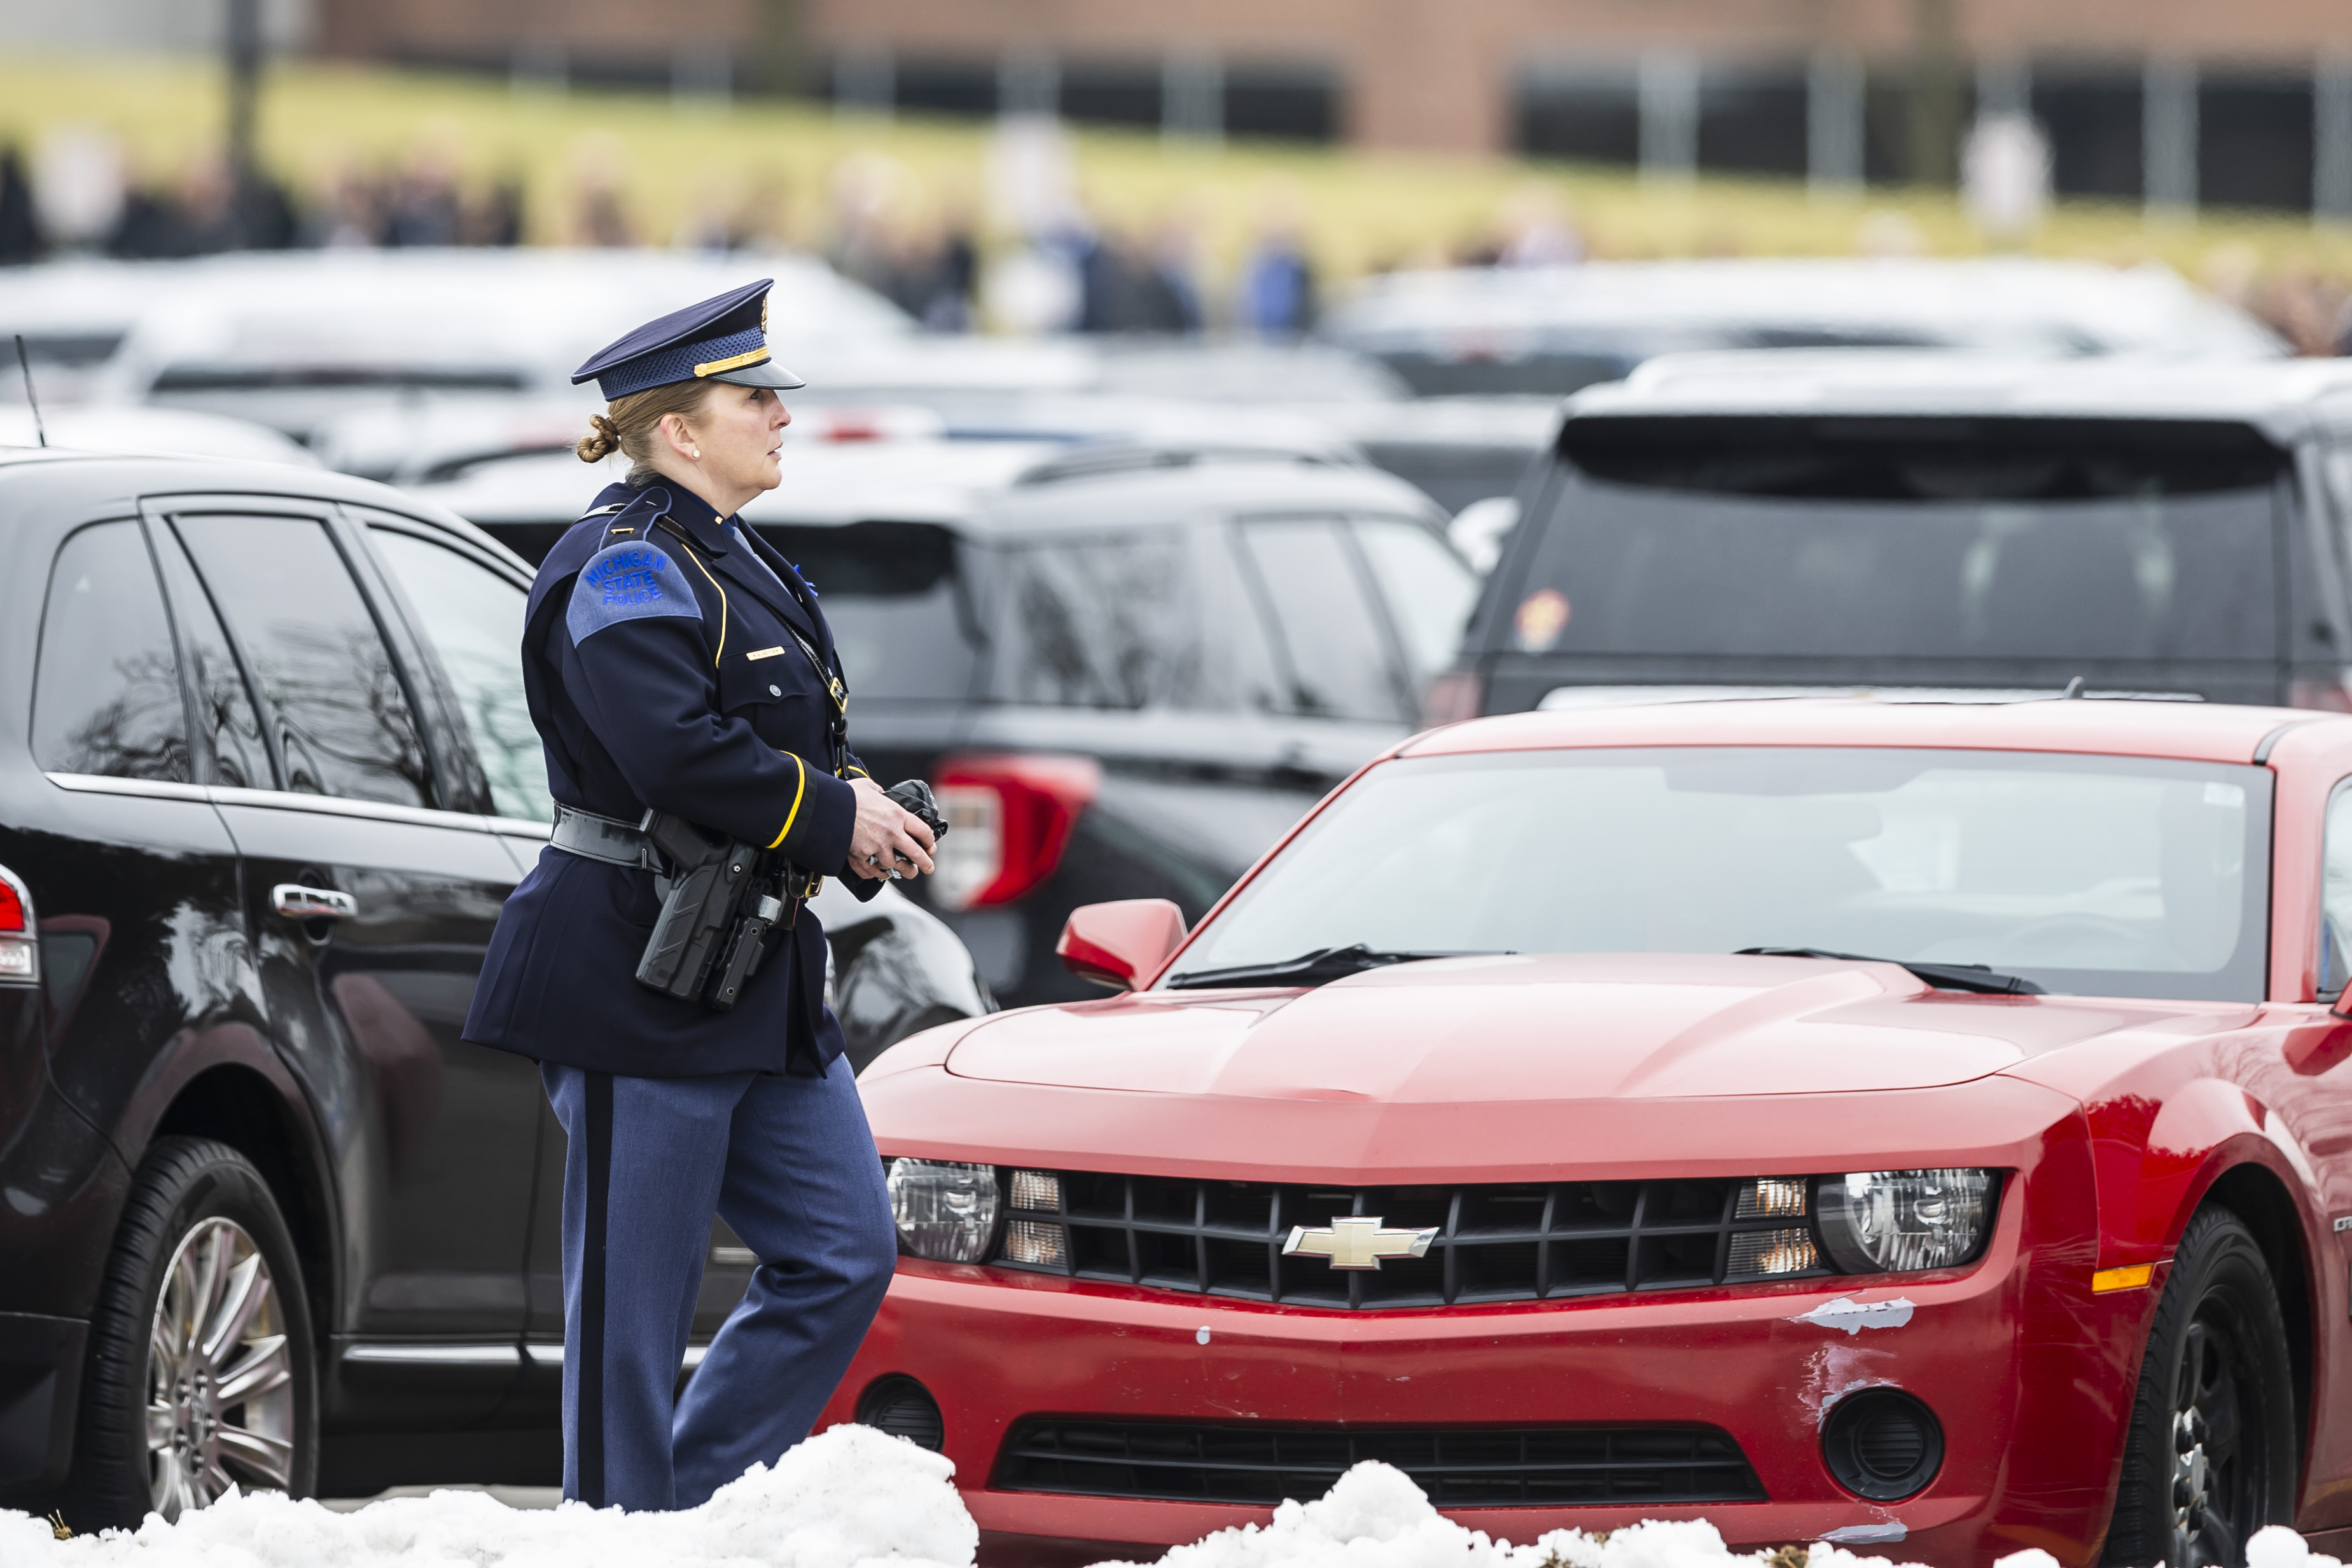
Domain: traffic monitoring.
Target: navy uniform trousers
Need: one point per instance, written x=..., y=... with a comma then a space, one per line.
x=789, y=1163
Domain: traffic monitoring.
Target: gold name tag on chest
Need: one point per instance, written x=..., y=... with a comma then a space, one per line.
x=763, y=654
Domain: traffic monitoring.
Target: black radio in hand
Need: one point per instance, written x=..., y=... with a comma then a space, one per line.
x=915, y=796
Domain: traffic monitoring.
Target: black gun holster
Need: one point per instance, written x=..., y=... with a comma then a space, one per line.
x=720, y=898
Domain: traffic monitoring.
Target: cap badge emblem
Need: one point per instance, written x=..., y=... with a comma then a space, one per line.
x=1357, y=1241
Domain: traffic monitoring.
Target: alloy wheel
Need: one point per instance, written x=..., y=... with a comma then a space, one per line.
x=220, y=1379
x=2216, y=1492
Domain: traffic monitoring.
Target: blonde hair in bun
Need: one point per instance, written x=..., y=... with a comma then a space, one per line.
x=633, y=425
x=603, y=439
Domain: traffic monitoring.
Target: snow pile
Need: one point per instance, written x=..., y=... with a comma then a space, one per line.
x=848, y=1497
x=852, y=1497
x=2276, y=1546
x=1374, y=1517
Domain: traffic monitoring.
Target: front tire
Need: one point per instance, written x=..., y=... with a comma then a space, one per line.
x=2210, y=1452
x=201, y=1370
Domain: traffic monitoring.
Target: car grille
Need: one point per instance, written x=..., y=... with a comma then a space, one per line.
x=1498, y=1242
x=1458, y=1468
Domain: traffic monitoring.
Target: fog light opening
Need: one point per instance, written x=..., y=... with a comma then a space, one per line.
x=1760, y=1254
x=1036, y=1244
x=904, y=1409
x=1881, y=1444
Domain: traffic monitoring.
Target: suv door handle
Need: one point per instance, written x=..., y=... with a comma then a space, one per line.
x=297, y=902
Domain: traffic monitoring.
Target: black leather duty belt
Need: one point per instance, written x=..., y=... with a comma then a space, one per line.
x=595, y=838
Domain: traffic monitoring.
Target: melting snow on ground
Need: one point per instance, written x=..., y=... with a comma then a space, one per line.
x=854, y=1499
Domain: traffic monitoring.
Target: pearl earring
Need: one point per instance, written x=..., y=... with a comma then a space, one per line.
x=698, y=453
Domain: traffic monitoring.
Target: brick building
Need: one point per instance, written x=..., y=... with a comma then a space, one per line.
x=2177, y=101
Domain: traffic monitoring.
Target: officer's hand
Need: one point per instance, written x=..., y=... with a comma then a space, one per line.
x=888, y=837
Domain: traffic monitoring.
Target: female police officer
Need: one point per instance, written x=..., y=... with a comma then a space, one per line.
x=675, y=662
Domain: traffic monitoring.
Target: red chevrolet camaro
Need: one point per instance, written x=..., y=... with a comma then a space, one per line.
x=1922, y=1125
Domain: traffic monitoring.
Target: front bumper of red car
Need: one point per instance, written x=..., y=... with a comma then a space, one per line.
x=2014, y=1355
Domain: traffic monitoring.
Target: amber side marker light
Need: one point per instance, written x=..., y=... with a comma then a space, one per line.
x=2132, y=1279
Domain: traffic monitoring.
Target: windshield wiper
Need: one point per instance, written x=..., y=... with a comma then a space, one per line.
x=1943, y=977
x=1310, y=968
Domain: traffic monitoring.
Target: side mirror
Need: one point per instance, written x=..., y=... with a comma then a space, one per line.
x=1120, y=944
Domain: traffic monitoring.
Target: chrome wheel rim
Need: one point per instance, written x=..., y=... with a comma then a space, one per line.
x=220, y=1375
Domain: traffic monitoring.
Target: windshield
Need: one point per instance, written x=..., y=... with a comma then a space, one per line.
x=1961, y=538
x=2093, y=875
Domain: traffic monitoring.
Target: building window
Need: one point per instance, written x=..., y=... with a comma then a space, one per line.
x=1752, y=121
x=2254, y=141
x=2095, y=129
x=1594, y=118
x=1113, y=92
x=1284, y=103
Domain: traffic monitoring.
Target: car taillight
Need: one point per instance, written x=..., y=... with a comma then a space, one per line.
x=1453, y=696
x=20, y=943
x=1009, y=820
x=2330, y=697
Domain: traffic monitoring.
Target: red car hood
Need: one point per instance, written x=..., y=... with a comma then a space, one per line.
x=1517, y=1029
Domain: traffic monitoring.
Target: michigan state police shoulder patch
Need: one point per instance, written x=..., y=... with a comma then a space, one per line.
x=630, y=581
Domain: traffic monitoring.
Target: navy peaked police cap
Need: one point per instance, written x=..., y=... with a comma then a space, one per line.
x=721, y=340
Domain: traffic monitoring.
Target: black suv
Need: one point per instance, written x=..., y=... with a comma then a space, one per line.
x=1764, y=524
x=268, y=777
x=1127, y=671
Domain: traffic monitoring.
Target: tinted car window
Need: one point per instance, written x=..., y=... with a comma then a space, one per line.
x=1337, y=657
x=474, y=618
x=106, y=698
x=344, y=725
x=894, y=597
x=225, y=712
x=1105, y=623
x=1957, y=539
x=1428, y=588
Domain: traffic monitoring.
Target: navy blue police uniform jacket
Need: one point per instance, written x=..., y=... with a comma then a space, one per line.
x=662, y=670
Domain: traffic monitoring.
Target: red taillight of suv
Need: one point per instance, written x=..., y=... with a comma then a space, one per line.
x=20, y=944
x=1009, y=820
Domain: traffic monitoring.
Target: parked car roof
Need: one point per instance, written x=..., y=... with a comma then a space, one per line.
x=140, y=474
x=1555, y=329
x=1242, y=484
x=2062, y=307
x=2277, y=396
x=134, y=427
x=310, y=331
x=2210, y=732
x=72, y=315
x=921, y=481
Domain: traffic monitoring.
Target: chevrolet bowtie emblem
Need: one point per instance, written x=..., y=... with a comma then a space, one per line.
x=1357, y=1241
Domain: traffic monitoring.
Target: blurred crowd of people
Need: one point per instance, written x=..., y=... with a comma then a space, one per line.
x=1063, y=269
x=210, y=207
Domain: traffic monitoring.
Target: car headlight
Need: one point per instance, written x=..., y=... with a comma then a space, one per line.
x=1883, y=1222
x=945, y=1209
